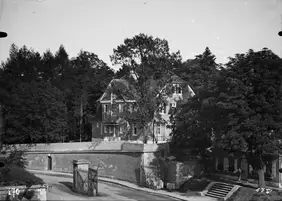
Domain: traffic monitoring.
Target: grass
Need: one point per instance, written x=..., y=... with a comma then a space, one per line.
x=14, y=175
x=273, y=196
x=242, y=194
x=194, y=184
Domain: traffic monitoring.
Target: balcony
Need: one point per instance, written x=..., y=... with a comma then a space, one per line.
x=110, y=117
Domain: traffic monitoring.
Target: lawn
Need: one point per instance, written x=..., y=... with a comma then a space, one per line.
x=14, y=175
x=273, y=196
x=194, y=184
x=242, y=194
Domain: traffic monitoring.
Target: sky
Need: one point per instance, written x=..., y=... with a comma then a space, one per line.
x=227, y=27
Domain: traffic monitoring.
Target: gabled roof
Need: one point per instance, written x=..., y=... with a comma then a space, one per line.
x=124, y=91
x=121, y=88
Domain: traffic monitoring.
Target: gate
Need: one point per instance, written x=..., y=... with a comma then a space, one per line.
x=85, y=179
x=93, y=181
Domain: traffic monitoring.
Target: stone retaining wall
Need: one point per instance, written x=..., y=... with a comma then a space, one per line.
x=119, y=160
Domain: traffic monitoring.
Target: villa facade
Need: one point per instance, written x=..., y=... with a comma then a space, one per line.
x=114, y=103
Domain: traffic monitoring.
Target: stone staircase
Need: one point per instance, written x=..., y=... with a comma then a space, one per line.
x=221, y=191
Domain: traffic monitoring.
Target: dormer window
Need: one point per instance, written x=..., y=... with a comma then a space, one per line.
x=179, y=89
x=106, y=107
x=173, y=89
x=176, y=89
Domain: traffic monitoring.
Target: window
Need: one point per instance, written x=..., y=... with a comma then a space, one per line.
x=106, y=108
x=158, y=129
x=176, y=89
x=134, y=130
x=120, y=107
x=162, y=108
x=110, y=129
x=106, y=129
x=173, y=89
x=114, y=107
x=179, y=89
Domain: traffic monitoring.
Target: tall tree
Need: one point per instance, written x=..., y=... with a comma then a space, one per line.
x=191, y=125
x=24, y=91
x=200, y=71
x=253, y=96
x=36, y=113
x=151, y=61
x=48, y=70
x=92, y=76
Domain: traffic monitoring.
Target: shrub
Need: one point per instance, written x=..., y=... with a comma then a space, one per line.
x=16, y=157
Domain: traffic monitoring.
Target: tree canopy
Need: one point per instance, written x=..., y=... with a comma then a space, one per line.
x=151, y=62
x=41, y=94
x=241, y=112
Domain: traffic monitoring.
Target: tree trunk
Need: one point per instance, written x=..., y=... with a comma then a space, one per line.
x=261, y=178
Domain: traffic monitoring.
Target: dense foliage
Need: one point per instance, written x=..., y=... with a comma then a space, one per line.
x=48, y=98
x=237, y=107
x=150, y=61
x=239, y=110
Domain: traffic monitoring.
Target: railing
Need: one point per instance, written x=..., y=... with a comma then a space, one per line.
x=160, y=138
x=110, y=117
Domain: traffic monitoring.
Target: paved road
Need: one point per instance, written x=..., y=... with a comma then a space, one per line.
x=61, y=190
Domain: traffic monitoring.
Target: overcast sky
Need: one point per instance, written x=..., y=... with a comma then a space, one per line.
x=225, y=26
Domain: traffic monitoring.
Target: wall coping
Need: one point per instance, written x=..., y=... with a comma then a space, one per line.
x=98, y=146
x=38, y=186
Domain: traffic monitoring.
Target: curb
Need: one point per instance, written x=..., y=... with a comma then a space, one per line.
x=115, y=181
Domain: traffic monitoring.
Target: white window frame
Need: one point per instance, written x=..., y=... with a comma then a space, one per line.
x=106, y=108
x=134, y=128
x=174, y=88
x=179, y=88
x=120, y=107
x=106, y=129
x=111, y=130
x=162, y=109
x=158, y=129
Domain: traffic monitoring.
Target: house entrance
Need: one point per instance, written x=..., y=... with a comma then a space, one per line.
x=49, y=163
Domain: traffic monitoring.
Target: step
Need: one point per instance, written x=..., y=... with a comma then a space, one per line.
x=221, y=187
x=224, y=189
x=218, y=192
x=221, y=191
x=224, y=184
x=214, y=195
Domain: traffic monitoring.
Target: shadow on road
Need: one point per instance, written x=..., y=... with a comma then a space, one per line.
x=69, y=186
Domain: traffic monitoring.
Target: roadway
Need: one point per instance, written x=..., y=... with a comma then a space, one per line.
x=62, y=190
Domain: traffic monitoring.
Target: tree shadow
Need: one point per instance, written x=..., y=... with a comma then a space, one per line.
x=67, y=184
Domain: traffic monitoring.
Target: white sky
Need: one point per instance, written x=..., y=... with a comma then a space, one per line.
x=225, y=26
